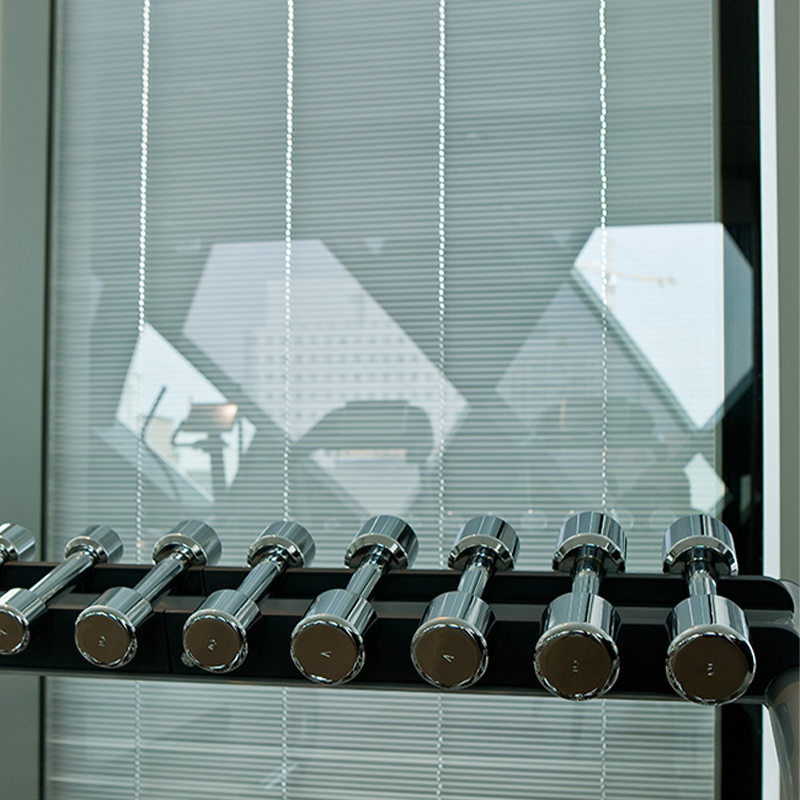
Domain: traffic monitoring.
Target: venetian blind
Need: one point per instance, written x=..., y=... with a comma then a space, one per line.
x=341, y=258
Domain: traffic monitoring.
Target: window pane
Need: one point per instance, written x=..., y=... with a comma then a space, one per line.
x=265, y=311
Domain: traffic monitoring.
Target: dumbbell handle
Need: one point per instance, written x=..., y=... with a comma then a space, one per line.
x=700, y=577
x=479, y=569
x=588, y=571
x=262, y=575
x=374, y=566
x=63, y=575
x=163, y=573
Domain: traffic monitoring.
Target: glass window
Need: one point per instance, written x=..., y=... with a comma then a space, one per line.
x=328, y=260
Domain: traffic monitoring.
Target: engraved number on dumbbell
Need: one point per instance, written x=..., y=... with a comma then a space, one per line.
x=710, y=669
x=212, y=643
x=325, y=653
x=101, y=642
x=576, y=665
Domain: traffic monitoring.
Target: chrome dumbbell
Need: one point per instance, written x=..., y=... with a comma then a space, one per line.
x=710, y=659
x=16, y=543
x=449, y=647
x=327, y=645
x=215, y=636
x=20, y=607
x=576, y=656
x=105, y=631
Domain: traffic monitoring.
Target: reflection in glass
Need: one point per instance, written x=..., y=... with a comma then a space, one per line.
x=363, y=398
x=186, y=422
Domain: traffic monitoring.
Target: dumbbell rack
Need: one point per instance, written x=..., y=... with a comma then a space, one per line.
x=518, y=600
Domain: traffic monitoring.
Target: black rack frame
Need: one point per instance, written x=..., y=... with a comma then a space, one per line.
x=518, y=600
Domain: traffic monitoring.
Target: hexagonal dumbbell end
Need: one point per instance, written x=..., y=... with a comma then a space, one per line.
x=16, y=543
x=19, y=608
x=576, y=656
x=449, y=648
x=106, y=631
x=710, y=659
x=215, y=636
x=327, y=645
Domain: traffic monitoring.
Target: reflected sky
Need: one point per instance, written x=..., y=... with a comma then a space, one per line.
x=670, y=287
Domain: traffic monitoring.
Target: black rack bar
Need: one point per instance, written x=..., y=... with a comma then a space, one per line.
x=517, y=598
